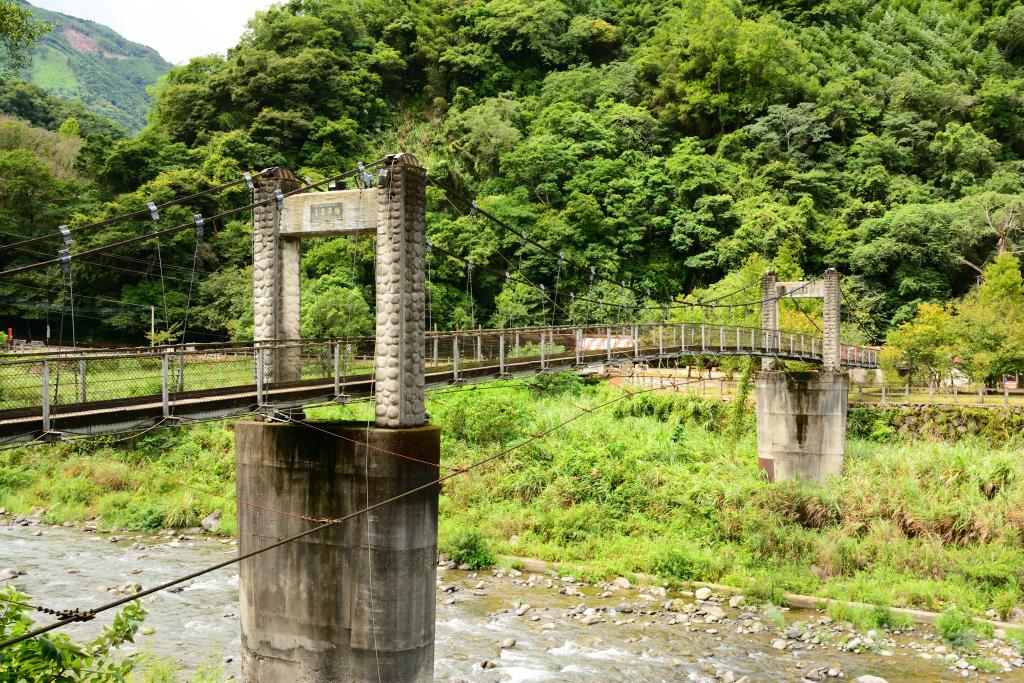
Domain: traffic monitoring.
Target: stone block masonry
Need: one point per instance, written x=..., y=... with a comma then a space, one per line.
x=276, y=288
x=401, y=293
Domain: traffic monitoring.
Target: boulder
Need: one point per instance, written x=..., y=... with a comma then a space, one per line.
x=212, y=521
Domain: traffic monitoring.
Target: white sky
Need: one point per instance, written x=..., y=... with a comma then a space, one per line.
x=177, y=29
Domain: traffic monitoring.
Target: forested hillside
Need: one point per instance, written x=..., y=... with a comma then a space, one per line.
x=667, y=145
x=90, y=62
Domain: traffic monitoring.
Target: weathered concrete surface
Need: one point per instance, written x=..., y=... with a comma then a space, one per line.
x=330, y=214
x=401, y=293
x=801, y=424
x=359, y=595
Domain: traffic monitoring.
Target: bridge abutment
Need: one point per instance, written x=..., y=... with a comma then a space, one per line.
x=801, y=424
x=353, y=602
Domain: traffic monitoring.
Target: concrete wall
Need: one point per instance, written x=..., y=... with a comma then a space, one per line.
x=801, y=424
x=306, y=608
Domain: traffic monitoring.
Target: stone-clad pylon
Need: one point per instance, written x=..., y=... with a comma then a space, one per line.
x=355, y=601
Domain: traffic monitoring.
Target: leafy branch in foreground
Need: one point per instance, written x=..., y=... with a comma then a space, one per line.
x=57, y=658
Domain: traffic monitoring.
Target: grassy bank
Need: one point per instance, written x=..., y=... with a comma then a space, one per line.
x=661, y=484
x=168, y=478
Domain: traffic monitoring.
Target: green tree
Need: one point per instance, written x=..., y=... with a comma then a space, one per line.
x=334, y=311
x=922, y=349
x=70, y=127
x=990, y=324
x=19, y=30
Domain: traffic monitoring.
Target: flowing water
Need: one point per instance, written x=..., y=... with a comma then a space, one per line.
x=64, y=568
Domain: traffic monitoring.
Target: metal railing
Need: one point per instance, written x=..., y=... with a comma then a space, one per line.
x=44, y=383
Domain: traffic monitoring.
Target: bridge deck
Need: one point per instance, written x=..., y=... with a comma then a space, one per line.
x=142, y=387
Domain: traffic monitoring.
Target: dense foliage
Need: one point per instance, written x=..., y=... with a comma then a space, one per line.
x=668, y=146
x=981, y=336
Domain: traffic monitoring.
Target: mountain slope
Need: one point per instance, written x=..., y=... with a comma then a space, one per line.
x=89, y=61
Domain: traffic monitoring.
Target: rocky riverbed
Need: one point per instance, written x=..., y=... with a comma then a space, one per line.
x=496, y=625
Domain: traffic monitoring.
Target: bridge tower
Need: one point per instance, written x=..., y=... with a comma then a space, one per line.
x=354, y=601
x=801, y=416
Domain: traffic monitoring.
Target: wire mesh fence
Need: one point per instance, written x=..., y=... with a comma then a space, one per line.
x=170, y=372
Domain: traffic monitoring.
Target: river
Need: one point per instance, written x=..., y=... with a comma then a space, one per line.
x=553, y=639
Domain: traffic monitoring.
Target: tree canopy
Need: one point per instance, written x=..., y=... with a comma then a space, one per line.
x=662, y=146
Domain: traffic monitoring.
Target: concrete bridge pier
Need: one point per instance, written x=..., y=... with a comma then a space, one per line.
x=353, y=602
x=801, y=424
x=353, y=599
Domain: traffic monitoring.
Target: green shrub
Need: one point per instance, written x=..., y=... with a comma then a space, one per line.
x=12, y=478
x=124, y=510
x=957, y=627
x=864, y=618
x=692, y=411
x=469, y=548
x=557, y=384
x=691, y=564
x=483, y=419
x=73, y=491
x=873, y=424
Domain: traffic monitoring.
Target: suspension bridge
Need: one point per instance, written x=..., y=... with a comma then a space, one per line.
x=335, y=517
x=83, y=392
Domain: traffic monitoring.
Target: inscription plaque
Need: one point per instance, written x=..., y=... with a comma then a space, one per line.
x=323, y=213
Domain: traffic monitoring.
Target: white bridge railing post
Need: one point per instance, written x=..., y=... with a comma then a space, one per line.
x=82, y=395
x=501, y=354
x=337, y=368
x=165, y=397
x=455, y=357
x=46, y=396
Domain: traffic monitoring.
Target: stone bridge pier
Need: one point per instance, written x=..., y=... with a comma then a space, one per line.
x=354, y=601
x=801, y=416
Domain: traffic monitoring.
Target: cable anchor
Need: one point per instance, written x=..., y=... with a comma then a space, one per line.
x=199, y=221
x=65, y=261
x=154, y=214
x=248, y=181
x=66, y=234
x=365, y=178
x=279, y=198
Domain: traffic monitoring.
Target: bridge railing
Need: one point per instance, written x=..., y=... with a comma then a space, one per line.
x=48, y=382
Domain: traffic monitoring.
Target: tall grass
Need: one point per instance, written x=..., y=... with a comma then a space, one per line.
x=664, y=484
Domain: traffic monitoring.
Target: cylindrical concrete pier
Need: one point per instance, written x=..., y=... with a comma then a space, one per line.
x=353, y=602
x=801, y=424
